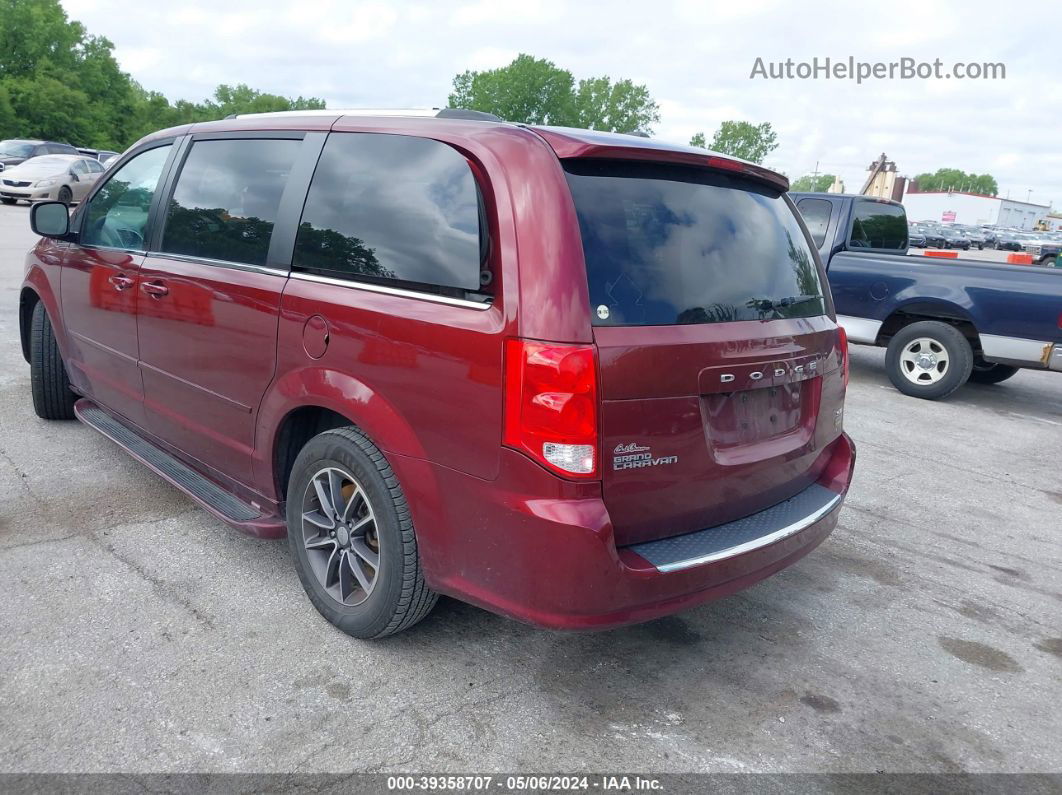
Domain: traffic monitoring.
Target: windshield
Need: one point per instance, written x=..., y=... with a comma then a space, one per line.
x=15, y=149
x=46, y=161
x=667, y=244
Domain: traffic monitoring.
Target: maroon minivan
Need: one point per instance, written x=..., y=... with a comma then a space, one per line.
x=577, y=378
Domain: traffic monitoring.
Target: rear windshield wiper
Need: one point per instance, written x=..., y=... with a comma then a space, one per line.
x=767, y=304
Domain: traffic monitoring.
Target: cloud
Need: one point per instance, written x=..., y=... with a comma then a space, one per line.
x=695, y=57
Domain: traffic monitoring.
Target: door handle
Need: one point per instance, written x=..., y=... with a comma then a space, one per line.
x=155, y=289
x=121, y=282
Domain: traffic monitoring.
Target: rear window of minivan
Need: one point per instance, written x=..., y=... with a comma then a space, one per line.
x=671, y=244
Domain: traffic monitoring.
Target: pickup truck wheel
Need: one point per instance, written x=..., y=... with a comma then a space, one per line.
x=352, y=539
x=987, y=373
x=1049, y=262
x=928, y=359
x=52, y=398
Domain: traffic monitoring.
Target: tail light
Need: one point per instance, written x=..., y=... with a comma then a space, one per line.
x=551, y=405
x=842, y=344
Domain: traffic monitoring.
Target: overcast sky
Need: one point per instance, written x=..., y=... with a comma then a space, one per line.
x=695, y=57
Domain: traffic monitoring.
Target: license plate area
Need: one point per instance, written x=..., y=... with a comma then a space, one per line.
x=753, y=424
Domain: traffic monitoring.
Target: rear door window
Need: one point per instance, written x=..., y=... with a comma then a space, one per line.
x=816, y=213
x=226, y=199
x=669, y=244
x=878, y=225
x=397, y=210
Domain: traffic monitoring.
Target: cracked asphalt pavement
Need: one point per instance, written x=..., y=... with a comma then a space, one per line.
x=139, y=634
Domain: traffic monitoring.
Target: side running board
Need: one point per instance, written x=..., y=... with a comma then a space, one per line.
x=223, y=504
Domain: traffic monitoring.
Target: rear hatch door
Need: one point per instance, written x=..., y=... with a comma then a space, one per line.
x=720, y=373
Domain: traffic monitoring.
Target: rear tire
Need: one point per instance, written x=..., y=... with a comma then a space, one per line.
x=52, y=398
x=341, y=472
x=928, y=359
x=987, y=373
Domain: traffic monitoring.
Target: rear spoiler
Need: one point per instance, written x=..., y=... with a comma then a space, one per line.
x=571, y=146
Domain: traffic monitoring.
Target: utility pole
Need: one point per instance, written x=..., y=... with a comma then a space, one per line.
x=1028, y=196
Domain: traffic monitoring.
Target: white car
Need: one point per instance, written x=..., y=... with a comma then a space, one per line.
x=66, y=178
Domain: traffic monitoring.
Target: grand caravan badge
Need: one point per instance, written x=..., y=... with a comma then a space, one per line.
x=636, y=456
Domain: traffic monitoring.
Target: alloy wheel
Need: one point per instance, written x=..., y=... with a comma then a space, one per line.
x=340, y=536
x=924, y=361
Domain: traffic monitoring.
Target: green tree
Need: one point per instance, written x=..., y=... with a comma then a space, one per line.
x=34, y=33
x=751, y=142
x=813, y=184
x=622, y=106
x=8, y=121
x=529, y=90
x=698, y=140
x=536, y=91
x=945, y=179
x=59, y=82
x=49, y=108
x=242, y=98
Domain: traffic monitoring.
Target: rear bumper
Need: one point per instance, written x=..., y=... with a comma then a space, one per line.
x=1054, y=361
x=550, y=559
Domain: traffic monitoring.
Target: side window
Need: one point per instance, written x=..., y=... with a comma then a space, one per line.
x=80, y=167
x=816, y=214
x=878, y=225
x=393, y=208
x=226, y=199
x=118, y=213
x=94, y=166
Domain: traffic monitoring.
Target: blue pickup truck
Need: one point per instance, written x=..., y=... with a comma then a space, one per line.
x=943, y=321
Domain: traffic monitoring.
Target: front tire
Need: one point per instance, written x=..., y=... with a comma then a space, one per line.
x=52, y=398
x=8, y=201
x=929, y=360
x=987, y=373
x=352, y=537
x=65, y=195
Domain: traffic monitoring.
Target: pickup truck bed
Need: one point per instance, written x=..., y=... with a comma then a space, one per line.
x=1012, y=308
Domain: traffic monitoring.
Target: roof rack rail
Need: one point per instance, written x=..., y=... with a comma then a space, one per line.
x=440, y=113
x=463, y=113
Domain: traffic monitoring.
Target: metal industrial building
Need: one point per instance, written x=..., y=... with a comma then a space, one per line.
x=973, y=208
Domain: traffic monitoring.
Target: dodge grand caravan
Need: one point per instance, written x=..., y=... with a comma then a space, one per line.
x=580, y=379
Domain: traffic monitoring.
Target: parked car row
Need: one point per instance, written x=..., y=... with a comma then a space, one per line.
x=32, y=170
x=927, y=235
x=1043, y=246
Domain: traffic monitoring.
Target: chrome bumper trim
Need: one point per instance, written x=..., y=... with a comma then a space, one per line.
x=742, y=535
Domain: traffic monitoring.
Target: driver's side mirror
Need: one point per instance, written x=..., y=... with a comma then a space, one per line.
x=73, y=175
x=50, y=219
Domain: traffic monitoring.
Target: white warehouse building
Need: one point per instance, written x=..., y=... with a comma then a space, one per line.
x=973, y=209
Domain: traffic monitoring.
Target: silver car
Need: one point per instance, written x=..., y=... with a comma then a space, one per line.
x=66, y=178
